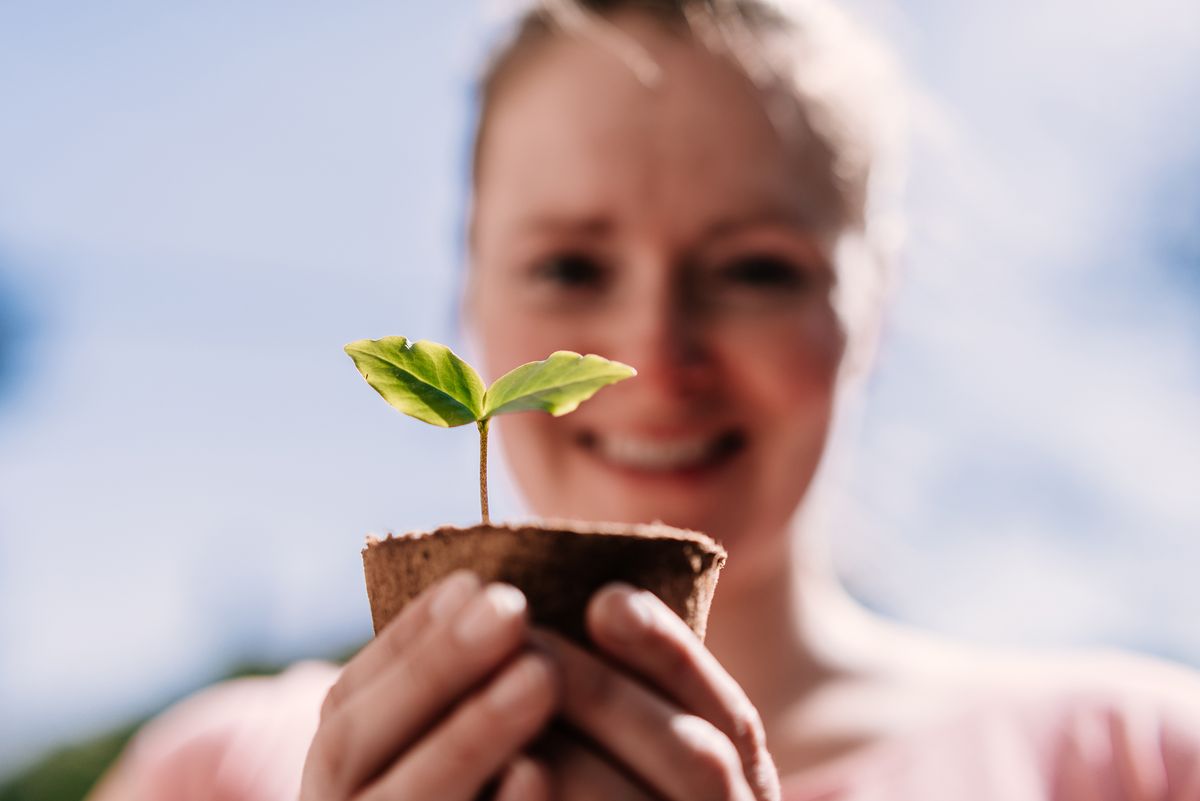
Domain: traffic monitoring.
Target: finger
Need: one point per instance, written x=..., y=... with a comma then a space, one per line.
x=642, y=633
x=678, y=755
x=438, y=601
x=462, y=753
x=525, y=779
x=580, y=772
x=364, y=734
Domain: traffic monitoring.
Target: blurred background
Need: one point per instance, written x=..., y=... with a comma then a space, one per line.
x=201, y=203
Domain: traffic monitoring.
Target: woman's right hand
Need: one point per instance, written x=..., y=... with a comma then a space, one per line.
x=439, y=704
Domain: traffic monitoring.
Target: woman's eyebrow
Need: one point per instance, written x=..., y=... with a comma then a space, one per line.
x=598, y=226
x=772, y=217
x=590, y=225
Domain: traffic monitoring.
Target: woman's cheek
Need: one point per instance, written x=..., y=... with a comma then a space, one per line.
x=789, y=359
x=533, y=335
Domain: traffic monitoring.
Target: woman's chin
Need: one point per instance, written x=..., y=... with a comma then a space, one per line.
x=693, y=517
x=710, y=495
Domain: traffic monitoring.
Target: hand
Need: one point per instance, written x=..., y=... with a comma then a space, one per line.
x=439, y=704
x=670, y=723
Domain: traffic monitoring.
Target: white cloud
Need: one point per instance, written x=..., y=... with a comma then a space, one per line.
x=1035, y=421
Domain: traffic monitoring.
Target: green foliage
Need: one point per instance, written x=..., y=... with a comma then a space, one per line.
x=557, y=384
x=424, y=380
x=68, y=773
x=428, y=381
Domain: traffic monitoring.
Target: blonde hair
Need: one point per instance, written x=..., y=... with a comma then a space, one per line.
x=826, y=83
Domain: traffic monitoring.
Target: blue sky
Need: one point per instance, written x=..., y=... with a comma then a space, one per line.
x=200, y=205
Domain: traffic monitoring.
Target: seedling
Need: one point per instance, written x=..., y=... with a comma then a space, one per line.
x=428, y=381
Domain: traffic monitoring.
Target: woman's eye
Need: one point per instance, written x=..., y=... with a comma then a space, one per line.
x=766, y=272
x=570, y=270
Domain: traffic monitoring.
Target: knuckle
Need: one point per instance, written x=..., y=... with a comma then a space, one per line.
x=596, y=688
x=542, y=696
x=425, y=675
x=463, y=753
x=748, y=729
x=524, y=780
x=333, y=700
x=326, y=758
x=314, y=783
x=391, y=641
x=512, y=715
x=675, y=658
x=715, y=783
x=763, y=778
x=471, y=743
x=505, y=706
x=714, y=764
x=751, y=741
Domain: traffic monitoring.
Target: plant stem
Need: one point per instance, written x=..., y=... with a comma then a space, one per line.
x=483, y=504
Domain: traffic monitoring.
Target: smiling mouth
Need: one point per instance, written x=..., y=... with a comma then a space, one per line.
x=663, y=456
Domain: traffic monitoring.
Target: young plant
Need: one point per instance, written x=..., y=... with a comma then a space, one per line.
x=428, y=381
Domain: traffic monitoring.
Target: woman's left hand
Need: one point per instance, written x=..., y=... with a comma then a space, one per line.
x=671, y=722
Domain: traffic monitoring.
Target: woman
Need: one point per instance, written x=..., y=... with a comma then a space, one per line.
x=685, y=187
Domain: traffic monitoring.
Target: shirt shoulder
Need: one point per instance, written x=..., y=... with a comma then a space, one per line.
x=1132, y=718
x=1023, y=726
x=241, y=740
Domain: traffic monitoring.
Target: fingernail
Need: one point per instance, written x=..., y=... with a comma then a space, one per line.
x=512, y=692
x=452, y=593
x=639, y=609
x=695, y=731
x=627, y=616
x=498, y=604
x=525, y=772
x=633, y=614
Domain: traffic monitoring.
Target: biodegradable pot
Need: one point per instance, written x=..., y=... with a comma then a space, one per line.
x=558, y=564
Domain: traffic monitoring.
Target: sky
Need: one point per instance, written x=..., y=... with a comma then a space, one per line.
x=200, y=204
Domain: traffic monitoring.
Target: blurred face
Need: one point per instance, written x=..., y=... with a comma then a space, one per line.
x=669, y=228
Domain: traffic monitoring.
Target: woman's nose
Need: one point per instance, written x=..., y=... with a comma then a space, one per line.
x=665, y=340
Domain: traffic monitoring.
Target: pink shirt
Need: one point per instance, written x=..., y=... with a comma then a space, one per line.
x=1122, y=728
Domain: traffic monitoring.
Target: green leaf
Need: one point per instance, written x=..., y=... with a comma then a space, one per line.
x=557, y=384
x=424, y=380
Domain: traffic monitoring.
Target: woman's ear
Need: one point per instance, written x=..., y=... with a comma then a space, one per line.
x=862, y=348
x=861, y=299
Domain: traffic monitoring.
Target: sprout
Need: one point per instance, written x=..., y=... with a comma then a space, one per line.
x=428, y=381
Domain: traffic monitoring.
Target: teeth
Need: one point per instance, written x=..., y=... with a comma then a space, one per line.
x=656, y=454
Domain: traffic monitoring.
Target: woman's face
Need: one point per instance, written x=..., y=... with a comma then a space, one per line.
x=669, y=228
